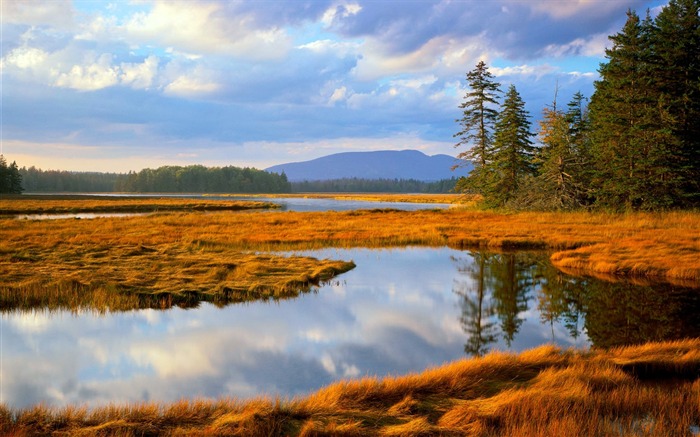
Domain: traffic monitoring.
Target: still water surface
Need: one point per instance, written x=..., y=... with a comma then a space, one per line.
x=286, y=204
x=398, y=311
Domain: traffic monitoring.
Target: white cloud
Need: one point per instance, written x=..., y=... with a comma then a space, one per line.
x=593, y=45
x=203, y=27
x=139, y=76
x=339, y=48
x=524, y=70
x=441, y=55
x=188, y=86
x=24, y=58
x=100, y=73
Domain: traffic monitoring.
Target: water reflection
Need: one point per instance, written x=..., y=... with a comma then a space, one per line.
x=399, y=311
x=496, y=292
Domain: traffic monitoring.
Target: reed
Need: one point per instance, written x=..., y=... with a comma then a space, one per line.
x=541, y=392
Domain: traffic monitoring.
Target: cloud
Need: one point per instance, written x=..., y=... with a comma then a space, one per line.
x=593, y=45
x=96, y=74
x=188, y=86
x=56, y=13
x=139, y=76
x=24, y=58
x=205, y=27
x=339, y=95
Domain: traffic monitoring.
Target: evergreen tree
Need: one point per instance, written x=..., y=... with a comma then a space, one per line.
x=513, y=151
x=15, y=179
x=676, y=60
x=632, y=168
x=563, y=159
x=477, y=126
x=10, y=178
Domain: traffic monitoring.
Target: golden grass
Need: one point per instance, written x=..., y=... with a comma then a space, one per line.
x=541, y=392
x=456, y=199
x=220, y=252
x=61, y=204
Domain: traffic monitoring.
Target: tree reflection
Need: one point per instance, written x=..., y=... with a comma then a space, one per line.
x=513, y=280
x=477, y=307
x=495, y=290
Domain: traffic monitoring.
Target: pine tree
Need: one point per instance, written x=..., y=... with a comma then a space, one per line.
x=677, y=78
x=4, y=176
x=477, y=126
x=632, y=166
x=14, y=179
x=513, y=151
x=10, y=178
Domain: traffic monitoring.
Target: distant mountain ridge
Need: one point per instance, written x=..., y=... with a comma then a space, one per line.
x=386, y=164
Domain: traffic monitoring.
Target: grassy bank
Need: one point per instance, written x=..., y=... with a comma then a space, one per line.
x=650, y=390
x=456, y=199
x=219, y=254
x=62, y=204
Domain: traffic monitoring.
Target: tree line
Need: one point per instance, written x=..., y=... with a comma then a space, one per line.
x=10, y=178
x=200, y=179
x=360, y=185
x=167, y=179
x=635, y=146
x=46, y=181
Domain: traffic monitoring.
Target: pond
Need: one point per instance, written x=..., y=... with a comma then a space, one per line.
x=286, y=204
x=77, y=215
x=398, y=311
x=311, y=204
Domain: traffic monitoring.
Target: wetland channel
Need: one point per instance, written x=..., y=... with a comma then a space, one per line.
x=398, y=311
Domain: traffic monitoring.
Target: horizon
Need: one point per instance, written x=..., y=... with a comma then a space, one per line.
x=102, y=87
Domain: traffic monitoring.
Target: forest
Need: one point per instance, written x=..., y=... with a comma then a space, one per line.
x=200, y=179
x=167, y=179
x=635, y=146
x=360, y=185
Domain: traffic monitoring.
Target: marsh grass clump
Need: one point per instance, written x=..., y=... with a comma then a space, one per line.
x=541, y=392
x=73, y=204
x=129, y=277
x=221, y=255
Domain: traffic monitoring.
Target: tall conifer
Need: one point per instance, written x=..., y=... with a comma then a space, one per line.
x=513, y=150
x=677, y=79
x=477, y=125
x=629, y=170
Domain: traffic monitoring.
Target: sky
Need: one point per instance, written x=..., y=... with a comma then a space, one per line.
x=117, y=86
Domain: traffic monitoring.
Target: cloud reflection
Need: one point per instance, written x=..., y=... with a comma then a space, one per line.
x=395, y=313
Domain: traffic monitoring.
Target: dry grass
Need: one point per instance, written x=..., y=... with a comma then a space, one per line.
x=214, y=252
x=61, y=204
x=456, y=199
x=542, y=392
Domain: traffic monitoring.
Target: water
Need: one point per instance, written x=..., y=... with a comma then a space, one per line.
x=398, y=311
x=286, y=204
x=77, y=215
x=309, y=204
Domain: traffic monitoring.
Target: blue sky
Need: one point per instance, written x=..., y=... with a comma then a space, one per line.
x=119, y=86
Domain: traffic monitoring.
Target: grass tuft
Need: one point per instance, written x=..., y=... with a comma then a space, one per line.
x=542, y=392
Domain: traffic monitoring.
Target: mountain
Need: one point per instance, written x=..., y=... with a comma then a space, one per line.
x=387, y=164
